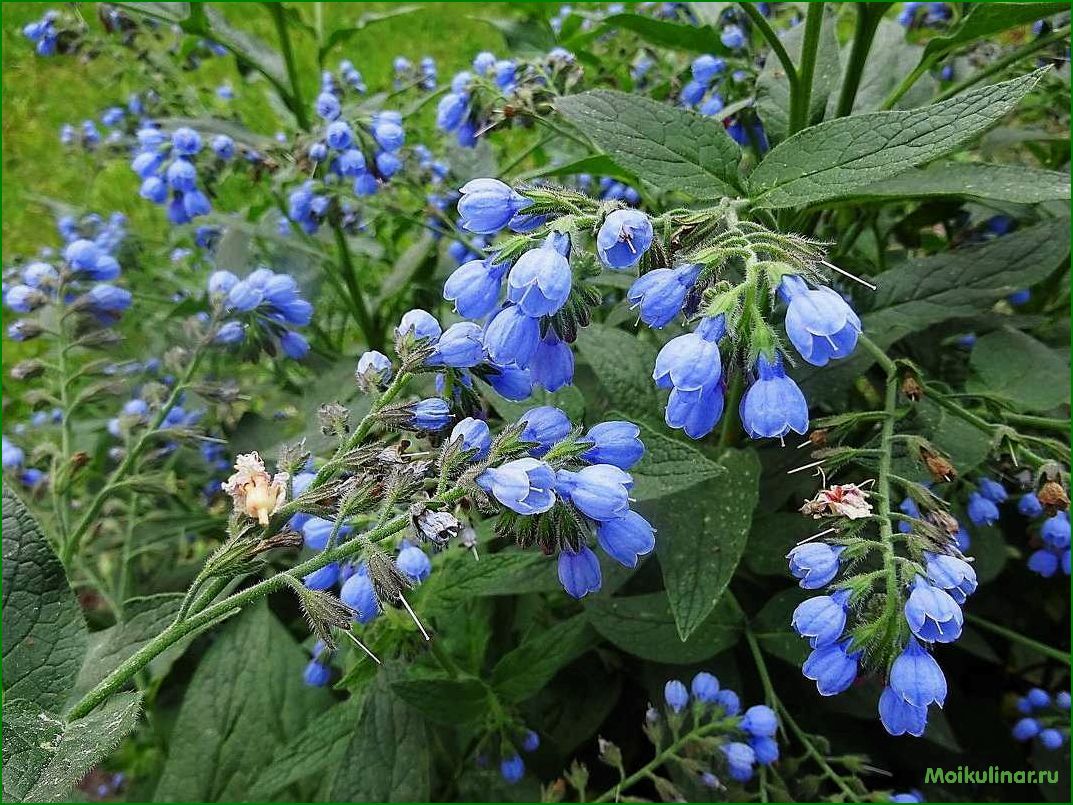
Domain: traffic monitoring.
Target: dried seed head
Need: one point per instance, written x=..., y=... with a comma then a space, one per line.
x=912, y=389
x=939, y=467
x=1053, y=497
x=437, y=527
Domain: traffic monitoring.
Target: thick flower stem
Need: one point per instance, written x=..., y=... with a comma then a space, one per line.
x=772, y=38
x=229, y=606
x=279, y=17
x=801, y=96
x=863, y=35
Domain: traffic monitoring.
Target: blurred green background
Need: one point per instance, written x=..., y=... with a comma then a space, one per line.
x=41, y=94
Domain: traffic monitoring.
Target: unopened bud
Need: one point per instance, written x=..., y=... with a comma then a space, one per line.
x=818, y=437
x=24, y=330
x=25, y=370
x=334, y=419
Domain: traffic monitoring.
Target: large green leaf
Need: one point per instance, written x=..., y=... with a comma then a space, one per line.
x=454, y=702
x=1017, y=367
x=671, y=464
x=644, y=626
x=829, y=161
x=771, y=625
x=45, y=756
x=528, y=668
x=985, y=19
x=143, y=619
x=388, y=758
x=934, y=289
x=773, y=87
x=671, y=148
x=701, y=534
x=340, y=36
x=509, y=572
x=623, y=365
x=674, y=35
x=1017, y=183
x=318, y=749
x=44, y=631
x=246, y=700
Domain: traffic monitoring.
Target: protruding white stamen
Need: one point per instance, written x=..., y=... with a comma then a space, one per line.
x=853, y=277
x=362, y=646
x=805, y=467
x=629, y=242
x=823, y=533
x=413, y=615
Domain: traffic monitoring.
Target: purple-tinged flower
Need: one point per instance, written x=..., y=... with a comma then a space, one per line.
x=773, y=405
x=623, y=238
x=530, y=741
x=579, y=572
x=814, y=563
x=625, y=539
x=525, y=485
x=512, y=768
x=614, y=442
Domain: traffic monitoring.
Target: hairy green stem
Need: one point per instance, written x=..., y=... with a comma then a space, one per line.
x=1017, y=637
x=998, y=65
x=816, y=755
x=801, y=96
x=863, y=34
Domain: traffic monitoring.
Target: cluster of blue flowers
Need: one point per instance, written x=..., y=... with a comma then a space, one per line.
x=511, y=764
x=14, y=462
x=710, y=706
x=423, y=74
x=265, y=305
x=931, y=614
x=166, y=167
x=703, y=90
x=1045, y=719
x=1053, y=554
x=43, y=33
x=928, y=15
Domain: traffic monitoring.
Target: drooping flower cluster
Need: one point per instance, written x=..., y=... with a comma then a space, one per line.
x=1053, y=534
x=167, y=167
x=928, y=15
x=263, y=308
x=43, y=33
x=1045, y=719
x=842, y=626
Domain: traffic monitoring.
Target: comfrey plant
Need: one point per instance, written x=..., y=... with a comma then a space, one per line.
x=700, y=734
x=1046, y=719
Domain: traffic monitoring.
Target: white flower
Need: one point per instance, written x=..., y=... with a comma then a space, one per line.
x=255, y=493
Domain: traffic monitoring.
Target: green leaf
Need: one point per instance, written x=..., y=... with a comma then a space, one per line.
x=509, y=572
x=44, y=631
x=701, y=536
x=771, y=537
x=890, y=59
x=985, y=19
x=522, y=36
x=771, y=625
x=1016, y=183
x=214, y=125
x=1014, y=365
x=673, y=149
x=674, y=35
x=934, y=289
x=164, y=12
x=143, y=619
x=388, y=758
x=454, y=702
x=670, y=465
x=773, y=87
x=45, y=756
x=341, y=35
x=598, y=165
x=831, y=160
x=643, y=625
x=524, y=671
x=317, y=750
x=245, y=701
x=966, y=445
x=623, y=365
